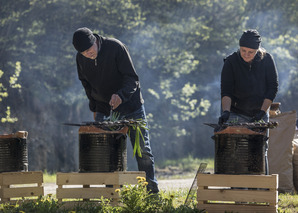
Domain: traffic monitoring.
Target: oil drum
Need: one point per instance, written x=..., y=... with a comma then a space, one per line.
x=102, y=151
x=240, y=154
x=13, y=152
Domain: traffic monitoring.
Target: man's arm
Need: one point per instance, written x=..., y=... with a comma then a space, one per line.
x=226, y=103
x=266, y=104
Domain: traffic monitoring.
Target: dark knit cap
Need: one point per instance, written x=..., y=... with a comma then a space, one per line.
x=250, y=39
x=83, y=39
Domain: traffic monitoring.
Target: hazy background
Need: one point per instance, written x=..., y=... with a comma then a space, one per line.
x=177, y=47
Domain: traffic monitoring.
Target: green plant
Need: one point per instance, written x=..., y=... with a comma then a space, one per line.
x=288, y=203
x=136, y=198
x=49, y=177
x=114, y=116
x=137, y=126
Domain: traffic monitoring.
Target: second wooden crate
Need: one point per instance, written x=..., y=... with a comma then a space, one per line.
x=20, y=185
x=73, y=188
x=237, y=193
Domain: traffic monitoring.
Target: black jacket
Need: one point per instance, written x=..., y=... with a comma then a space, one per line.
x=112, y=72
x=248, y=84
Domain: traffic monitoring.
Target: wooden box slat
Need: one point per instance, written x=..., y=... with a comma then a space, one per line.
x=248, y=181
x=105, y=178
x=9, y=178
x=22, y=192
x=86, y=193
x=237, y=195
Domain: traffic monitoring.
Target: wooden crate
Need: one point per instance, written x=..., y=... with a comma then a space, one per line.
x=20, y=185
x=75, y=188
x=237, y=193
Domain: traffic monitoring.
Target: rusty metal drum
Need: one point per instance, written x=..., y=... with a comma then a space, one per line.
x=101, y=150
x=240, y=150
x=13, y=152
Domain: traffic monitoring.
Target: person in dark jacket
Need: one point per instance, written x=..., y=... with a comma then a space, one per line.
x=110, y=81
x=249, y=82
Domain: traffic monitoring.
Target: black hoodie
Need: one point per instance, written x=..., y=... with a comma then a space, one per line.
x=248, y=84
x=112, y=72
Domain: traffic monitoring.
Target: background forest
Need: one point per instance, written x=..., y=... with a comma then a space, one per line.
x=177, y=47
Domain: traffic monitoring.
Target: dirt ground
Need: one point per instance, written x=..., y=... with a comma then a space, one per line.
x=164, y=185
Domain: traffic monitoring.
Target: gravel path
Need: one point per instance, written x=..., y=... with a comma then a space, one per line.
x=165, y=185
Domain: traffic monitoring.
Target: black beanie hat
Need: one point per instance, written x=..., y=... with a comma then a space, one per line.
x=83, y=39
x=250, y=39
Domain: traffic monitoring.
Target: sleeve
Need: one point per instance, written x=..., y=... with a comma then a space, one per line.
x=130, y=82
x=87, y=87
x=271, y=78
x=227, y=80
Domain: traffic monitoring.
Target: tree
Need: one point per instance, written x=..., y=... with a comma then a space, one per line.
x=4, y=93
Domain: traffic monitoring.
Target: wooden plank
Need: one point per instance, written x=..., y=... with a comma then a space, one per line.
x=259, y=196
x=246, y=181
x=130, y=177
x=103, y=178
x=86, y=179
x=221, y=208
x=3, y=200
x=22, y=192
x=86, y=193
x=9, y=178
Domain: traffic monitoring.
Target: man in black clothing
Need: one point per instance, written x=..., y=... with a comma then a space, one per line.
x=110, y=81
x=249, y=82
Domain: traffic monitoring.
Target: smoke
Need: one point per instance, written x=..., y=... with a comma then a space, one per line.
x=276, y=41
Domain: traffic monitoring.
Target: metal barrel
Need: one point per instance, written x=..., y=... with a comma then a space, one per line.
x=102, y=152
x=239, y=154
x=13, y=152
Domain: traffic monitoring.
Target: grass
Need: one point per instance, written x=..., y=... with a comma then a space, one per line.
x=49, y=177
x=187, y=164
x=182, y=168
x=288, y=203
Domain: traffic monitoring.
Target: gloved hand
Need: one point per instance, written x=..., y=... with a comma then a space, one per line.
x=224, y=117
x=258, y=116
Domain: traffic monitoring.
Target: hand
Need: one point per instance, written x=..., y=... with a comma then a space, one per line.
x=258, y=116
x=224, y=117
x=115, y=101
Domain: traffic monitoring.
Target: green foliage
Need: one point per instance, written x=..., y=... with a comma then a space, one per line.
x=138, y=126
x=136, y=198
x=187, y=164
x=8, y=117
x=288, y=203
x=4, y=92
x=42, y=205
